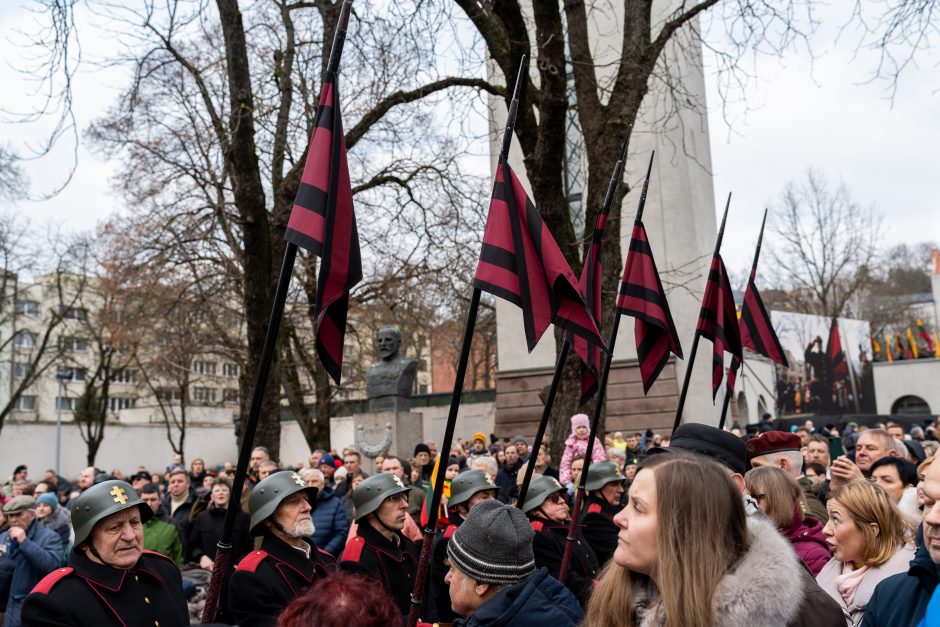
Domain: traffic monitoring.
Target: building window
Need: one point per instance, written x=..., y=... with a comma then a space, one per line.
x=204, y=395
x=124, y=375
x=117, y=403
x=74, y=344
x=204, y=367
x=910, y=405
x=25, y=339
x=26, y=308
x=76, y=313
x=230, y=395
x=230, y=370
x=21, y=370
x=64, y=403
x=76, y=374
x=26, y=403
x=170, y=395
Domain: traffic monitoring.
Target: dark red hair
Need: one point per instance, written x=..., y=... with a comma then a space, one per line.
x=342, y=600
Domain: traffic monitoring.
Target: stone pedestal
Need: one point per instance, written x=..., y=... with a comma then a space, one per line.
x=407, y=429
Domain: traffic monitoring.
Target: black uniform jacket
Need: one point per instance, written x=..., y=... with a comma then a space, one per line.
x=87, y=593
x=394, y=564
x=549, y=549
x=597, y=524
x=437, y=606
x=267, y=580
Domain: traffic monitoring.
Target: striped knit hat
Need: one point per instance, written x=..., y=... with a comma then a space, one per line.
x=494, y=544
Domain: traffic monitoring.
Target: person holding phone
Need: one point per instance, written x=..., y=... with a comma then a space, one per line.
x=872, y=445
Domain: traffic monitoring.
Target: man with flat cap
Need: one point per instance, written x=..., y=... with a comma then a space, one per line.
x=493, y=578
x=287, y=563
x=110, y=578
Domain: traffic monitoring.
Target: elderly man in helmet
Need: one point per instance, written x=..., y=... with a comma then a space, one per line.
x=466, y=490
x=110, y=578
x=287, y=563
x=379, y=549
x=604, y=485
x=548, y=513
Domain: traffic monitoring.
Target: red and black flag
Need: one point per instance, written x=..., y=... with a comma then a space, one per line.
x=835, y=358
x=590, y=285
x=757, y=331
x=520, y=262
x=642, y=297
x=718, y=320
x=323, y=221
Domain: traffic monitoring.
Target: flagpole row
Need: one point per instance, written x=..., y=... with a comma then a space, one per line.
x=431, y=526
x=589, y=451
x=543, y=422
x=224, y=546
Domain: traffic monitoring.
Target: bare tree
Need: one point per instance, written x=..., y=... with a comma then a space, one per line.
x=825, y=247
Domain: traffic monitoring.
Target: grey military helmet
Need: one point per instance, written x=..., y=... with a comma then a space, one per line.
x=270, y=491
x=540, y=489
x=100, y=501
x=602, y=473
x=374, y=490
x=466, y=484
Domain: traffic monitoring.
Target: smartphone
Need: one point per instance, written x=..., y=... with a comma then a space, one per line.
x=835, y=448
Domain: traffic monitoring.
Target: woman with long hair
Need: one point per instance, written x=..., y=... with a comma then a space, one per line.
x=870, y=541
x=687, y=554
x=781, y=498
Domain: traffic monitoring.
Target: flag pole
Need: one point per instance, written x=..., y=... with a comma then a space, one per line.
x=431, y=527
x=695, y=340
x=760, y=239
x=563, y=353
x=598, y=407
x=224, y=547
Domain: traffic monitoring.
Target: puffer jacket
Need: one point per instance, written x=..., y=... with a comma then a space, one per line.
x=769, y=587
x=810, y=544
x=853, y=613
x=539, y=599
x=329, y=523
x=25, y=564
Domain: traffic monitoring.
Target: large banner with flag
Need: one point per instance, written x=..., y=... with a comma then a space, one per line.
x=829, y=366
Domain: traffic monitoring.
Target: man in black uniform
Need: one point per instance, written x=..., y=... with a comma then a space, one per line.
x=379, y=549
x=604, y=487
x=466, y=490
x=547, y=511
x=110, y=579
x=266, y=580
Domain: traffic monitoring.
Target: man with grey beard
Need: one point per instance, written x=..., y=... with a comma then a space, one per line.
x=288, y=562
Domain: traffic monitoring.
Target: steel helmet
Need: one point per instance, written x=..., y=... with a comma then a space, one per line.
x=466, y=484
x=540, y=489
x=374, y=490
x=100, y=501
x=270, y=491
x=602, y=473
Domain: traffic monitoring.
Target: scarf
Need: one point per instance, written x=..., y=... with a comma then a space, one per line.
x=849, y=581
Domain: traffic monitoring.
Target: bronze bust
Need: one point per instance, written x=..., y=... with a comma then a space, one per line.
x=390, y=381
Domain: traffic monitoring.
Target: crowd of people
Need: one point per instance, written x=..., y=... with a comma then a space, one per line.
x=708, y=527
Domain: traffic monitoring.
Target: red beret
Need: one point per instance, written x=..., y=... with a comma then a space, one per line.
x=773, y=442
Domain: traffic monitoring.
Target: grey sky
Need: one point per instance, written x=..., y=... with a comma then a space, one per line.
x=801, y=115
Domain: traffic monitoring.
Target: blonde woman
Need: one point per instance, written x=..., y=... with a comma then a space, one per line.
x=687, y=554
x=870, y=541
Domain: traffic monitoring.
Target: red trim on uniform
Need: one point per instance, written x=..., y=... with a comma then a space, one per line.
x=450, y=531
x=537, y=525
x=49, y=581
x=250, y=562
x=327, y=553
x=353, y=550
x=594, y=508
x=155, y=554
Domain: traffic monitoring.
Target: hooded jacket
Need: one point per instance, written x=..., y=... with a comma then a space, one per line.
x=768, y=587
x=539, y=599
x=810, y=544
x=853, y=613
x=901, y=600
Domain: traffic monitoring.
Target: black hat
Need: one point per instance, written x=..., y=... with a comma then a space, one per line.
x=710, y=442
x=421, y=447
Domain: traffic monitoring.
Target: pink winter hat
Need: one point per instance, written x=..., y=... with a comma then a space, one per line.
x=580, y=420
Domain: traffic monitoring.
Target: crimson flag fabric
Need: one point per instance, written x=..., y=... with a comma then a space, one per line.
x=757, y=331
x=520, y=262
x=733, y=374
x=838, y=368
x=590, y=285
x=323, y=221
x=642, y=297
x=718, y=320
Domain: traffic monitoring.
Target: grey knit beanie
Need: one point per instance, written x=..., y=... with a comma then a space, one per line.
x=494, y=544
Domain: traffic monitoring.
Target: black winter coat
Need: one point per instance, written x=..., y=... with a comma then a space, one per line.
x=395, y=565
x=597, y=524
x=549, y=549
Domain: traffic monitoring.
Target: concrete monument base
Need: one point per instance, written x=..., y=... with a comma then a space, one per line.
x=396, y=432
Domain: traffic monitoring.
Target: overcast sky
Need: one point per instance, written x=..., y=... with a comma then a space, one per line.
x=800, y=114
